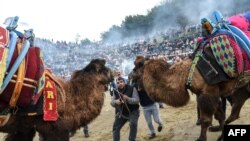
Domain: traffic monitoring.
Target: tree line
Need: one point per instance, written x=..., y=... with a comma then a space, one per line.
x=177, y=14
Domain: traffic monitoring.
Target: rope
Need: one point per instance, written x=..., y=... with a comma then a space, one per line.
x=121, y=98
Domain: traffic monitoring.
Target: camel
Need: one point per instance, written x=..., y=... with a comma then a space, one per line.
x=84, y=98
x=238, y=100
x=167, y=83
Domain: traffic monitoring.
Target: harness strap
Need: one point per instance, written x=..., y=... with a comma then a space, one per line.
x=192, y=69
x=24, y=84
x=34, y=82
x=19, y=79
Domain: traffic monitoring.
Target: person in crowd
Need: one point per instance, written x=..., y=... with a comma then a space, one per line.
x=86, y=131
x=120, y=74
x=126, y=102
x=150, y=109
x=177, y=59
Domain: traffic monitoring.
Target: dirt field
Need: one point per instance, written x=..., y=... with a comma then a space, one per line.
x=179, y=124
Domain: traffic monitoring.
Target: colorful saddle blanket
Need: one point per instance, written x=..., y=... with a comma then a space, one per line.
x=228, y=54
x=33, y=80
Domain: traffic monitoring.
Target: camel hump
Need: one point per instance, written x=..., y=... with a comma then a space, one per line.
x=226, y=45
x=227, y=53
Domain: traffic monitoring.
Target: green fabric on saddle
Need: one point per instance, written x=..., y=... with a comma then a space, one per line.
x=224, y=54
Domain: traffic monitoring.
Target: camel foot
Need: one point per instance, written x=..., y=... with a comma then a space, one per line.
x=220, y=138
x=198, y=122
x=215, y=128
x=199, y=139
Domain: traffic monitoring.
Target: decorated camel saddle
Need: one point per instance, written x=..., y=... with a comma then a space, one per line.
x=223, y=52
x=26, y=86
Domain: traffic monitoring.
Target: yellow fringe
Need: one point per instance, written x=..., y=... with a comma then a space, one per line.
x=3, y=65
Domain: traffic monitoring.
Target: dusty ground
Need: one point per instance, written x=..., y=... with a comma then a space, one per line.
x=179, y=124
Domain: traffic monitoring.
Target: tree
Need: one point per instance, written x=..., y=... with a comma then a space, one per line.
x=85, y=42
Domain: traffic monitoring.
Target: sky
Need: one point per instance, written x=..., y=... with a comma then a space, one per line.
x=63, y=19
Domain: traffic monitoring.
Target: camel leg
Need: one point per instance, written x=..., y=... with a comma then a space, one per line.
x=238, y=101
x=54, y=135
x=198, y=122
x=24, y=135
x=208, y=106
x=64, y=136
x=52, y=131
x=220, y=116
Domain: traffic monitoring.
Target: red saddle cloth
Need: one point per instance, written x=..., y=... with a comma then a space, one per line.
x=49, y=99
x=4, y=37
x=34, y=72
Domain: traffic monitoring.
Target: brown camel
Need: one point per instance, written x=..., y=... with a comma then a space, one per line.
x=166, y=83
x=84, y=100
x=238, y=100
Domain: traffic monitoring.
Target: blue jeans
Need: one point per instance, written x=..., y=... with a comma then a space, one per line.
x=149, y=111
x=120, y=122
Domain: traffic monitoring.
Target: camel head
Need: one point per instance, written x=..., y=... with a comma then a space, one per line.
x=136, y=75
x=153, y=66
x=139, y=61
x=97, y=66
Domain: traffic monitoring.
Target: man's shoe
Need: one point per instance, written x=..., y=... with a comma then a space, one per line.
x=86, y=135
x=72, y=133
x=152, y=136
x=161, y=106
x=159, y=128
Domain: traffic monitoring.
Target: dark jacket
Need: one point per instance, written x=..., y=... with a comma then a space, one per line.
x=145, y=100
x=128, y=90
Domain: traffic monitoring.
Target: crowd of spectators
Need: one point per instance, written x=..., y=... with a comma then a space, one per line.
x=63, y=58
